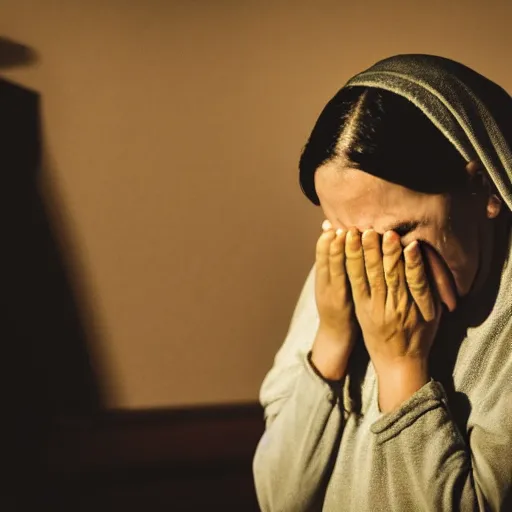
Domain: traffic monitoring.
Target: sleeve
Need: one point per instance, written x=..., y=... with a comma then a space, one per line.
x=449, y=471
x=303, y=418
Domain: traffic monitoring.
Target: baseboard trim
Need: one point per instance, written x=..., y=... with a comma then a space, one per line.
x=183, y=458
x=181, y=438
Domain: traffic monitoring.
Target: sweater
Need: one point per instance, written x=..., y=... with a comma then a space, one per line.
x=447, y=448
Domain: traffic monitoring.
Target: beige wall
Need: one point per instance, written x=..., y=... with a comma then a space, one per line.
x=173, y=131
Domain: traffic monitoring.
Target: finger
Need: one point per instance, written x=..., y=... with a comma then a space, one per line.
x=374, y=265
x=354, y=263
x=442, y=278
x=322, y=257
x=326, y=225
x=394, y=272
x=417, y=281
x=337, y=258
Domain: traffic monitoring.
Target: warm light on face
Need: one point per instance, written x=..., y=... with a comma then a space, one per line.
x=353, y=198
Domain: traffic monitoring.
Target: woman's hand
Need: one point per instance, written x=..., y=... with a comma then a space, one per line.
x=396, y=309
x=338, y=328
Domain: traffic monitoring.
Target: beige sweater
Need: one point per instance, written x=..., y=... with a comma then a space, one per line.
x=439, y=452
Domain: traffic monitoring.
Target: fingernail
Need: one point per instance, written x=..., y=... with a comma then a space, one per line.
x=367, y=233
x=412, y=248
x=353, y=237
x=339, y=232
x=326, y=225
x=389, y=237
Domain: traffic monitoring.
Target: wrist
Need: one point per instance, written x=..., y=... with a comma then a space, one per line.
x=399, y=381
x=330, y=354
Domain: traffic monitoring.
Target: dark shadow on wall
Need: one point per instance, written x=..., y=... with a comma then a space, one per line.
x=13, y=54
x=62, y=449
x=46, y=367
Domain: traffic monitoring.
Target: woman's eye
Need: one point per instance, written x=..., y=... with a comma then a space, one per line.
x=402, y=232
x=406, y=228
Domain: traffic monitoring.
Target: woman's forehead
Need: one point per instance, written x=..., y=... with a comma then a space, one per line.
x=355, y=198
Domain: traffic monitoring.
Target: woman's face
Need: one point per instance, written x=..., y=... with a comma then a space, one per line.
x=454, y=225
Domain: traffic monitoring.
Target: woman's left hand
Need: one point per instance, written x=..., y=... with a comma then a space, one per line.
x=396, y=309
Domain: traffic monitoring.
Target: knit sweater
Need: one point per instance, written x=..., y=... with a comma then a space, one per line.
x=426, y=456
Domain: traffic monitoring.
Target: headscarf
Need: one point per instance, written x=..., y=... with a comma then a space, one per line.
x=471, y=111
x=474, y=361
x=475, y=115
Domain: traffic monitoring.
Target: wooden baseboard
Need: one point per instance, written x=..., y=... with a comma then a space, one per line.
x=189, y=459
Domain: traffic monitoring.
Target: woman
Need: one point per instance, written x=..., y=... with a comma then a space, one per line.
x=393, y=389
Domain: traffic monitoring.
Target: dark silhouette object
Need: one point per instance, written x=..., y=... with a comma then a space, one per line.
x=14, y=54
x=45, y=365
x=62, y=450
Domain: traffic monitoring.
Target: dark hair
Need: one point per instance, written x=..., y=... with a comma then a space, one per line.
x=384, y=134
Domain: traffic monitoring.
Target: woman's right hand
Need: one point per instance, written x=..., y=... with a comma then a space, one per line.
x=338, y=328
